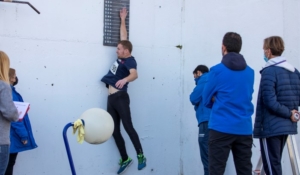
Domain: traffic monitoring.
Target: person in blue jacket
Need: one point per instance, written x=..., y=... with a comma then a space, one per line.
x=202, y=113
x=21, y=136
x=277, y=103
x=230, y=84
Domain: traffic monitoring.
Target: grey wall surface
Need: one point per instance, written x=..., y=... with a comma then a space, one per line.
x=59, y=58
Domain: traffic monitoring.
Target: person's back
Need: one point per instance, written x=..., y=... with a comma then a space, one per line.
x=277, y=103
x=233, y=98
x=8, y=112
x=287, y=94
x=229, y=93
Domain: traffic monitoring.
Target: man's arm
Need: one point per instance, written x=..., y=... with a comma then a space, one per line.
x=196, y=95
x=20, y=130
x=123, y=30
x=208, y=94
x=131, y=77
x=7, y=107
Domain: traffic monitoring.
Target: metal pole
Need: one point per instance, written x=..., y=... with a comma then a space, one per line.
x=293, y=153
x=24, y=2
x=259, y=170
x=68, y=147
x=296, y=153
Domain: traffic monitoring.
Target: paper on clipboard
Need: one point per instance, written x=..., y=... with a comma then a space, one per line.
x=22, y=108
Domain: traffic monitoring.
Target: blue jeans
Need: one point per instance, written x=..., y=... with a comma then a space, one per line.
x=4, y=156
x=203, y=144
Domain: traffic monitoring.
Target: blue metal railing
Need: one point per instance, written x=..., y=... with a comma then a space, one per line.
x=68, y=147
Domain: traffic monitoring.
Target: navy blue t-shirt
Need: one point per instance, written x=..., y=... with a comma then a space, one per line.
x=119, y=70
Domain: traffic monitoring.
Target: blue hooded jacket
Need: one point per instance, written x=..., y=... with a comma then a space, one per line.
x=202, y=112
x=21, y=130
x=231, y=85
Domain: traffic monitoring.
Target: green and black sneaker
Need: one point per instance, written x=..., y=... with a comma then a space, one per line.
x=124, y=165
x=142, y=161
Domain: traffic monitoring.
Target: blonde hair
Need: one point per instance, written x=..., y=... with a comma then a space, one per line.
x=275, y=44
x=4, y=67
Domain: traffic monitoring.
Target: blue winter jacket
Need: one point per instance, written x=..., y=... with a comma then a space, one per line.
x=231, y=85
x=21, y=130
x=279, y=93
x=202, y=112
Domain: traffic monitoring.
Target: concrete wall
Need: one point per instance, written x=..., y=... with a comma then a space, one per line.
x=60, y=59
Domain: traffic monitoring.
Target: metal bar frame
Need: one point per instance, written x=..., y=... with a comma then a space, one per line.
x=293, y=154
x=24, y=2
x=68, y=147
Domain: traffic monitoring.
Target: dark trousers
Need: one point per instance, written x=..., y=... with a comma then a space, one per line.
x=271, y=152
x=203, y=145
x=118, y=108
x=11, y=163
x=219, y=148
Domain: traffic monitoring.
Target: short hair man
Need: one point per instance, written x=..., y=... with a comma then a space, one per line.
x=231, y=84
x=202, y=113
x=120, y=74
x=277, y=103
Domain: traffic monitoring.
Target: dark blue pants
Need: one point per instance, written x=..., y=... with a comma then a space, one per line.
x=4, y=156
x=203, y=145
x=219, y=147
x=11, y=163
x=271, y=152
x=118, y=108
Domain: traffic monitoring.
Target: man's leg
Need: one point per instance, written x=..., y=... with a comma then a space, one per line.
x=11, y=163
x=117, y=131
x=219, y=146
x=124, y=112
x=242, y=153
x=4, y=156
x=271, y=152
x=203, y=144
x=283, y=142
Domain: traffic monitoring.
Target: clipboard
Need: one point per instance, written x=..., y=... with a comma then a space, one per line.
x=22, y=108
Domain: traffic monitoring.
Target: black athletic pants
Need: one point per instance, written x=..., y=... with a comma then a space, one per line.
x=271, y=151
x=219, y=146
x=118, y=108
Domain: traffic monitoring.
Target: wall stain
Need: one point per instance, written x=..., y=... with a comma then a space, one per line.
x=179, y=46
